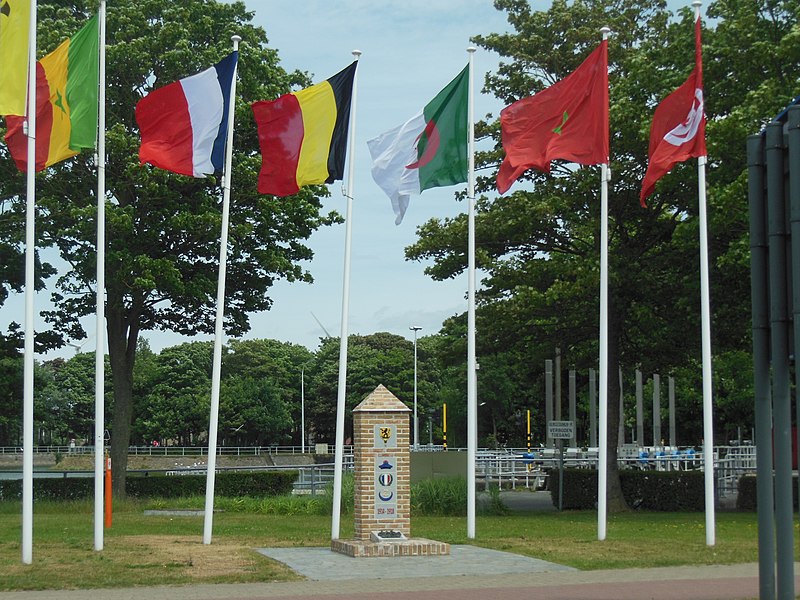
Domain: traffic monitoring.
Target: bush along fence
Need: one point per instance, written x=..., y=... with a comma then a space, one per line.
x=747, y=500
x=227, y=484
x=643, y=490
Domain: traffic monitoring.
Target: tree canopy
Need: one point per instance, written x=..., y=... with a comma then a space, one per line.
x=162, y=229
x=538, y=247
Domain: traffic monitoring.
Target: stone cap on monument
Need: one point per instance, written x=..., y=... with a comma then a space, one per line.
x=381, y=400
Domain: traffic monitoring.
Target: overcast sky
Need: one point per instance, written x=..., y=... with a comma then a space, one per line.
x=410, y=51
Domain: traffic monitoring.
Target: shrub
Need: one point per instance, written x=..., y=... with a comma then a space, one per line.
x=647, y=490
x=747, y=497
x=439, y=496
x=228, y=484
x=71, y=488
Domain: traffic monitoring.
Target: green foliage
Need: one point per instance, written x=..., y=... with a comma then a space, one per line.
x=379, y=358
x=747, y=496
x=348, y=496
x=447, y=496
x=229, y=484
x=645, y=490
x=162, y=229
x=257, y=484
x=67, y=489
x=439, y=496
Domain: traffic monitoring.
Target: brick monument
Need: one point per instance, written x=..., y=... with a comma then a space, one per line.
x=382, y=482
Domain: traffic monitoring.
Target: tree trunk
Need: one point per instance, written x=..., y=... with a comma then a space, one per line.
x=122, y=354
x=615, y=501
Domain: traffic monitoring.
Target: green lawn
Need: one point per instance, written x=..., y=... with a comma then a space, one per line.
x=152, y=550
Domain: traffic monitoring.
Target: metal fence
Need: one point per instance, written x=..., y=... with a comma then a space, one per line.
x=507, y=467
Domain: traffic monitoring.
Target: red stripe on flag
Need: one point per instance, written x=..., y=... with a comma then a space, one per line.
x=166, y=130
x=15, y=138
x=280, y=135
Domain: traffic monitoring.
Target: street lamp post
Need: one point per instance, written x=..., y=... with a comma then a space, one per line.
x=415, y=329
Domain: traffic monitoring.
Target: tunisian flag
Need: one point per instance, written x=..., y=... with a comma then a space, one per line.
x=678, y=131
x=567, y=121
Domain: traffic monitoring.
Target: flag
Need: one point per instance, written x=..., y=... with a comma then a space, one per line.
x=567, y=121
x=14, y=41
x=429, y=150
x=678, y=131
x=183, y=125
x=303, y=135
x=67, y=82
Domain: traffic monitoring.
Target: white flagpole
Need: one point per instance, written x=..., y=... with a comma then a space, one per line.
x=338, y=458
x=705, y=317
x=216, y=368
x=30, y=250
x=602, y=466
x=472, y=374
x=100, y=345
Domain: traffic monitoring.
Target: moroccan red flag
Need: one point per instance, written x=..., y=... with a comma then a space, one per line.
x=567, y=121
x=678, y=131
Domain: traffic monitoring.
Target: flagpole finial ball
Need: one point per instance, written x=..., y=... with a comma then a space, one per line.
x=605, y=31
x=356, y=53
x=236, y=38
x=471, y=49
x=697, y=3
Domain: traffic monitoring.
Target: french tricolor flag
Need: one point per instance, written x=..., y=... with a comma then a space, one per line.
x=183, y=124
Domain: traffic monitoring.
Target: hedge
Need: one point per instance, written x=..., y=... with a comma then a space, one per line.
x=645, y=490
x=227, y=484
x=747, y=498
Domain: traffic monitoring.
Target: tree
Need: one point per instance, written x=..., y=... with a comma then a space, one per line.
x=539, y=247
x=162, y=229
x=273, y=371
x=372, y=360
x=66, y=398
x=176, y=409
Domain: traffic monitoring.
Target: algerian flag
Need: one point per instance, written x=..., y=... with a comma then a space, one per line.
x=429, y=150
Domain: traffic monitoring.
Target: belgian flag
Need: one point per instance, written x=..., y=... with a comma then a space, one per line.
x=303, y=135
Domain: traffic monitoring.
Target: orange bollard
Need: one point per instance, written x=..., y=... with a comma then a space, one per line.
x=107, y=490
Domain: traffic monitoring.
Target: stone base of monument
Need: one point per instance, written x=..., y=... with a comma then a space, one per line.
x=382, y=546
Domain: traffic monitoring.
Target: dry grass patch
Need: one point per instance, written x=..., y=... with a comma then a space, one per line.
x=138, y=560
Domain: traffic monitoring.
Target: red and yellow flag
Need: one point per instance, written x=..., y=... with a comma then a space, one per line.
x=303, y=135
x=66, y=102
x=14, y=37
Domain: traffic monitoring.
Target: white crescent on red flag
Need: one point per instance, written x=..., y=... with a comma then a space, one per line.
x=678, y=131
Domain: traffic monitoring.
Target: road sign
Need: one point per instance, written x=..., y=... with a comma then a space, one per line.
x=560, y=430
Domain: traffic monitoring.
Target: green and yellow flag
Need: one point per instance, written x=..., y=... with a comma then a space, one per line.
x=14, y=33
x=67, y=82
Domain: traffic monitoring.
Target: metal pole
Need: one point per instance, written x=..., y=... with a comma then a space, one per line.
x=639, y=409
x=30, y=292
x=572, y=408
x=592, y=408
x=656, y=410
x=672, y=431
x=216, y=368
x=794, y=199
x=779, y=326
x=100, y=291
x=415, y=329
x=302, y=409
x=341, y=394
x=472, y=367
x=548, y=399
x=558, y=384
